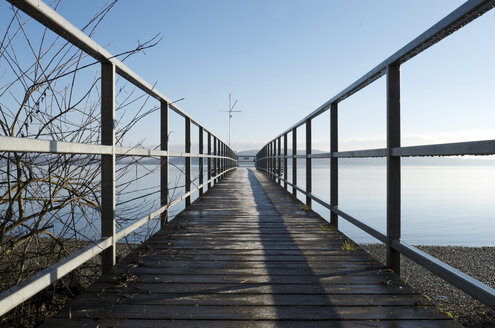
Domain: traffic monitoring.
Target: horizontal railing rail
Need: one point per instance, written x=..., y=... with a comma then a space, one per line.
x=220, y=157
x=273, y=157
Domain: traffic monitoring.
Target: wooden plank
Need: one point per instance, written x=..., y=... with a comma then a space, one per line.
x=62, y=322
x=266, y=278
x=259, y=300
x=160, y=288
x=263, y=258
x=180, y=263
x=339, y=270
x=214, y=312
x=273, y=252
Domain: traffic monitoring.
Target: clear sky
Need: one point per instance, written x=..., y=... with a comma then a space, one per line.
x=283, y=58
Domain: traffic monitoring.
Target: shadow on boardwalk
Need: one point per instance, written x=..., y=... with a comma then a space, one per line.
x=270, y=239
x=245, y=255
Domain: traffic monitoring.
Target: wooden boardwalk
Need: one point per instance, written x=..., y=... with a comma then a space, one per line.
x=246, y=255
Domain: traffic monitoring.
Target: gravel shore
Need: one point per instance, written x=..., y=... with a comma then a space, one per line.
x=478, y=262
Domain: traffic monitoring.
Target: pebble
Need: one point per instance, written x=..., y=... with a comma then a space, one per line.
x=478, y=262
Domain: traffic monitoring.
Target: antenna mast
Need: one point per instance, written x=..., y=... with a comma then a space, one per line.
x=230, y=111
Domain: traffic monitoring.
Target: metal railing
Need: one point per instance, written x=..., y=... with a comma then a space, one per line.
x=269, y=158
x=220, y=158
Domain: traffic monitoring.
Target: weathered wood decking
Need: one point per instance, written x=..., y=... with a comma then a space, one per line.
x=246, y=256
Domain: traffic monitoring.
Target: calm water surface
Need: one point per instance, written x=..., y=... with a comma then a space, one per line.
x=441, y=205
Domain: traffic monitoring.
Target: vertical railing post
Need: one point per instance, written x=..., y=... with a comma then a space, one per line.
x=274, y=160
x=270, y=150
x=285, y=162
x=228, y=163
x=269, y=160
x=265, y=162
x=393, y=166
x=294, y=161
x=279, y=160
x=221, y=160
x=224, y=161
x=219, y=163
x=215, y=160
x=261, y=160
x=309, y=170
x=334, y=163
x=108, y=163
x=164, y=161
x=188, y=159
x=209, y=160
x=201, y=161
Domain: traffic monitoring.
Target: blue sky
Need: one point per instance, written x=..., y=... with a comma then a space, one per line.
x=282, y=59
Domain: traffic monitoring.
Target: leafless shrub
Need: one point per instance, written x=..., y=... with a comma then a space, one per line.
x=50, y=203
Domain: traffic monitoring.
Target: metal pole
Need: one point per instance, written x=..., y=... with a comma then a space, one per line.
x=294, y=161
x=164, y=160
x=209, y=160
x=393, y=166
x=201, y=161
x=309, y=178
x=222, y=160
x=274, y=160
x=334, y=163
x=215, y=160
x=269, y=160
x=285, y=161
x=279, y=160
x=108, y=163
x=188, y=159
x=230, y=115
x=265, y=160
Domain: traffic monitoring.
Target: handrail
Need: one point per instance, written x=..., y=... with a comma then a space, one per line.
x=220, y=158
x=268, y=159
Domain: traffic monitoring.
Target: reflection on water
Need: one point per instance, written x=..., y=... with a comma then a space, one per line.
x=137, y=195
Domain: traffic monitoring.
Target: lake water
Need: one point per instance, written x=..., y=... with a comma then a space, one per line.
x=441, y=205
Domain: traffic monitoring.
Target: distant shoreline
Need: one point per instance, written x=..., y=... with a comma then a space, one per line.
x=408, y=161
